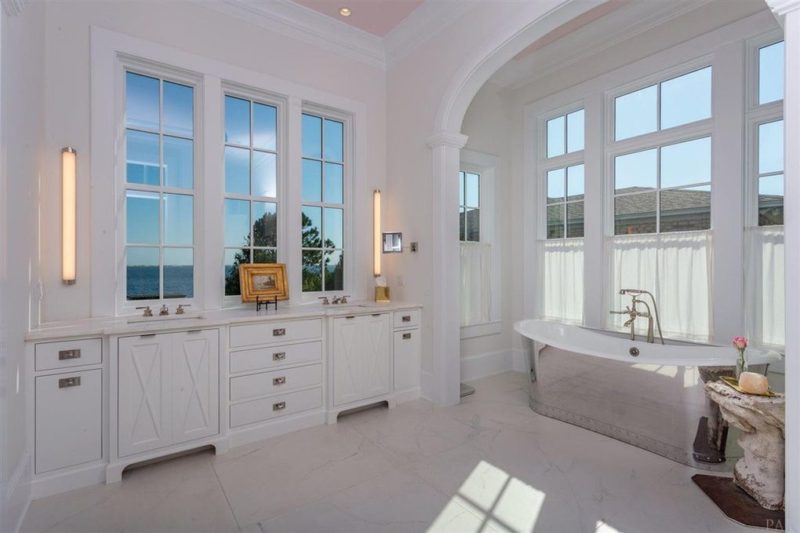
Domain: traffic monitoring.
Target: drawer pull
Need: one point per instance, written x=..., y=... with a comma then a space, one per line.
x=280, y=406
x=376, y=314
x=279, y=381
x=406, y=318
x=351, y=317
x=147, y=335
x=279, y=332
x=63, y=355
x=279, y=356
x=64, y=383
x=193, y=331
x=406, y=336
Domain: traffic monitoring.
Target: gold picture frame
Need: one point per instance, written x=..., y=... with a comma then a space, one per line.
x=265, y=281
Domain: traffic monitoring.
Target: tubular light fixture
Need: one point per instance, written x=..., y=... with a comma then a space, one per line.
x=69, y=163
x=376, y=235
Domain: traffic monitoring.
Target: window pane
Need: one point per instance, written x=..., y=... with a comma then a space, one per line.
x=265, y=256
x=312, y=136
x=142, y=158
x=462, y=224
x=178, y=273
x=460, y=188
x=575, y=182
x=472, y=188
x=264, y=174
x=770, y=200
x=312, y=180
x=575, y=219
x=636, y=172
x=178, y=163
x=575, y=131
x=686, y=163
x=770, y=73
x=555, y=137
x=635, y=214
x=555, y=221
x=178, y=219
x=234, y=258
x=555, y=185
x=142, y=221
x=334, y=140
x=636, y=113
x=686, y=99
x=312, y=270
x=334, y=228
x=237, y=170
x=265, y=125
x=472, y=221
x=770, y=147
x=237, y=223
x=141, y=101
x=686, y=209
x=178, y=110
x=265, y=225
x=334, y=181
x=312, y=227
x=334, y=270
x=142, y=276
x=237, y=121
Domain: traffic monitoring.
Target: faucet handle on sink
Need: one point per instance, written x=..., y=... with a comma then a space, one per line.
x=147, y=312
x=182, y=308
x=324, y=299
x=343, y=299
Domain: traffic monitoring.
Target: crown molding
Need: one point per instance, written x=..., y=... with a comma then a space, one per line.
x=304, y=24
x=422, y=24
x=781, y=7
x=13, y=7
x=604, y=33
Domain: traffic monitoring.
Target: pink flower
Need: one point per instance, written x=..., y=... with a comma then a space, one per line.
x=740, y=343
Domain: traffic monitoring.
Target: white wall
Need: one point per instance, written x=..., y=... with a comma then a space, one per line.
x=21, y=132
x=185, y=26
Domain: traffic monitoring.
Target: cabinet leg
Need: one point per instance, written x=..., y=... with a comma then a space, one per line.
x=114, y=473
x=391, y=404
x=332, y=417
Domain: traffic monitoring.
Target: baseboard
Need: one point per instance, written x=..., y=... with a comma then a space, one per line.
x=486, y=364
x=520, y=360
x=17, y=497
x=74, y=478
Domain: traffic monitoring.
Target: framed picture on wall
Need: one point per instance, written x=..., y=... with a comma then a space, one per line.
x=263, y=280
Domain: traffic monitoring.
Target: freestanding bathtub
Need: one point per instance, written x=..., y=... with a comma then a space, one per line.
x=648, y=395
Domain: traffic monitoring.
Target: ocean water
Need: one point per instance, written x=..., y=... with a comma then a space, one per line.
x=143, y=282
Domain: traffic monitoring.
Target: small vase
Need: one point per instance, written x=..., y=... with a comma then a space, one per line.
x=741, y=365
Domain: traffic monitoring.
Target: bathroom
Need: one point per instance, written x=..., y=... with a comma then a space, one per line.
x=560, y=155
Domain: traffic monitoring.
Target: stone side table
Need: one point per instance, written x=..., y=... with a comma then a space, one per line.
x=760, y=473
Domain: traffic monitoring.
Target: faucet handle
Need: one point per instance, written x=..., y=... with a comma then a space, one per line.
x=182, y=308
x=164, y=310
x=147, y=311
x=343, y=299
x=324, y=299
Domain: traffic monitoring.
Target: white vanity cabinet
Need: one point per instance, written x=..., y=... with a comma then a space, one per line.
x=361, y=357
x=168, y=389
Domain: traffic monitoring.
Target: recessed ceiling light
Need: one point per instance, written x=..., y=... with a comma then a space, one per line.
x=345, y=12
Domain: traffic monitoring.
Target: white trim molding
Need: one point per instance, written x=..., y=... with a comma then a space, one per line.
x=13, y=7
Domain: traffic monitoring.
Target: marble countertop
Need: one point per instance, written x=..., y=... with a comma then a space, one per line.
x=124, y=325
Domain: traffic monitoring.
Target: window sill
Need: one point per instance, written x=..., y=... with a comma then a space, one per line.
x=481, y=330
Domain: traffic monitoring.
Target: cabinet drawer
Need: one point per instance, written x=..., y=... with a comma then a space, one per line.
x=406, y=319
x=406, y=359
x=277, y=381
x=66, y=354
x=274, y=332
x=270, y=357
x=280, y=405
x=68, y=419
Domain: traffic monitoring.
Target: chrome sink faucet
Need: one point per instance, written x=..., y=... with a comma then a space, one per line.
x=633, y=313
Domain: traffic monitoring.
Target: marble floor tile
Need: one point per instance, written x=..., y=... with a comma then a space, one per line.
x=489, y=464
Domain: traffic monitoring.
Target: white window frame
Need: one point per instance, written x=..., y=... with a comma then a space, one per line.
x=546, y=164
x=348, y=198
x=656, y=139
x=486, y=165
x=282, y=205
x=163, y=73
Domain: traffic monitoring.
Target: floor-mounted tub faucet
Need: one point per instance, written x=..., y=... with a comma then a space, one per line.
x=633, y=313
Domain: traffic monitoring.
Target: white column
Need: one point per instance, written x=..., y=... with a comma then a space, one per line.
x=790, y=9
x=443, y=385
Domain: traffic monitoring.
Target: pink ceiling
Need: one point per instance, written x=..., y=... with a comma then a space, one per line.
x=375, y=16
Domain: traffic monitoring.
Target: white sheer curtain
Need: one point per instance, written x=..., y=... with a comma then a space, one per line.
x=676, y=268
x=561, y=279
x=764, y=285
x=476, y=266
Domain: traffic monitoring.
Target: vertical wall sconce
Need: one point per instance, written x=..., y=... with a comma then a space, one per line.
x=376, y=236
x=69, y=163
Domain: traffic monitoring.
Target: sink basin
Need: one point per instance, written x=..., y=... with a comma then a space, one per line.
x=170, y=318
